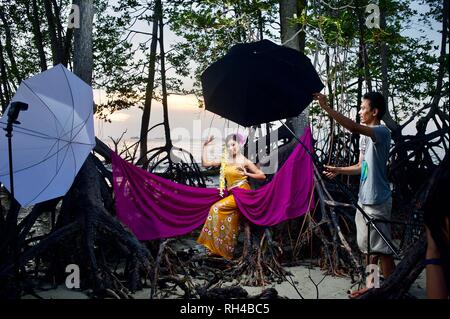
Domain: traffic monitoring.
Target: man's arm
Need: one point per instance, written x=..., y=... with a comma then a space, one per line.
x=332, y=171
x=349, y=124
x=349, y=170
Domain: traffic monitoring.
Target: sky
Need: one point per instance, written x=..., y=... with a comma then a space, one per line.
x=186, y=119
x=184, y=113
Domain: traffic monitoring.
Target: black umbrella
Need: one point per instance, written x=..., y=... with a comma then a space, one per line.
x=260, y=82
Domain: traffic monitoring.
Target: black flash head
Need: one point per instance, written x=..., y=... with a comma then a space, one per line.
x=14, y=111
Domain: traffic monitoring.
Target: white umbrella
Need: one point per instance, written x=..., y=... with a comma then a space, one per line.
x=53, y=139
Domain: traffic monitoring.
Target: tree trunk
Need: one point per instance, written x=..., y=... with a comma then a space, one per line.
x=56, y=49
x=83, y=56
x=289, y=8
x=290, y=38
x=3, y=106
x=390, y=123
x=362, y=47
x=59, y=29
x=9, y=47
x=4, y=81
x=149, y=88
x=33, y=16
x=64, y=42
x=67, y=46
x=158, y=6
x=85, y=198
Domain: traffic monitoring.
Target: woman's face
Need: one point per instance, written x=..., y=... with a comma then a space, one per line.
x=233, y=147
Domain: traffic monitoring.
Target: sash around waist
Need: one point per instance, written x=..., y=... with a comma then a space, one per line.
x=238, y=183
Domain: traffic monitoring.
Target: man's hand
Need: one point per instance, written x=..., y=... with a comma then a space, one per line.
x=330, y=171
x=322, y=98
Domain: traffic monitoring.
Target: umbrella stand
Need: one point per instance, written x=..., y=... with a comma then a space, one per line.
x=13, y=213
x=13, y=114
x=349, y=195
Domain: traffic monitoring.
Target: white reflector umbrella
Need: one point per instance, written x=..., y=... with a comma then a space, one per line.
x=53, y=139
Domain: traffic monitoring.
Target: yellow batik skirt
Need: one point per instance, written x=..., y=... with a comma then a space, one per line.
x=220, y=231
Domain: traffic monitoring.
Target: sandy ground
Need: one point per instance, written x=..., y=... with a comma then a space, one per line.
x=329, y=288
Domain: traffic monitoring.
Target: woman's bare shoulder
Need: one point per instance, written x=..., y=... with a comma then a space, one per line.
x=247, y=162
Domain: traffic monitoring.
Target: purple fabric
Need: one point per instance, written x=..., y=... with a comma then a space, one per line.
x=288, y=195
x=154, y=207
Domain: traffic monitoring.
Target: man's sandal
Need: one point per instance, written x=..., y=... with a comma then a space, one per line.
x=357, y=293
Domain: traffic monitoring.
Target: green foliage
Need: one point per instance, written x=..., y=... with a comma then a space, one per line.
x=412, y=60
x=207, y=29
x=210, y=28
x=115, y=69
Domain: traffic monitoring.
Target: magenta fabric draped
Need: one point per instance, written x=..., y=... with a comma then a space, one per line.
x=154, y=207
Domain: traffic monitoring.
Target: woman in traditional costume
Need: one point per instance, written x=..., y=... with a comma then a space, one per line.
x=219, y=233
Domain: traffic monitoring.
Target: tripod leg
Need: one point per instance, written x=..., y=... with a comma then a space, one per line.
x=368, y=243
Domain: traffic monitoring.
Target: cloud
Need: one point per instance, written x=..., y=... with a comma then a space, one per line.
x=119, y=117
x=183, y=102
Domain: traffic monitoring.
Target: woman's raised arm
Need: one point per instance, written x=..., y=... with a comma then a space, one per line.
x=205, y=161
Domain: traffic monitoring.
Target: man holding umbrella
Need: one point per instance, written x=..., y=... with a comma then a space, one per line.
x=374, y=193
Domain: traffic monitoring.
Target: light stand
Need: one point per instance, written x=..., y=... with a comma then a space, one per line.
x=14, y=208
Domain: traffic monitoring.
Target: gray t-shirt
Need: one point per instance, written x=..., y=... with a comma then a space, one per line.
x=374, y=186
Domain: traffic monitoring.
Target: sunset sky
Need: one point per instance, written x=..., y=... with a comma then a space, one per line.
x=184, y=112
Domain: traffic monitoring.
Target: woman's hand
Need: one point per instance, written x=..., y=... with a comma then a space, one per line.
x=242, y=170
x=209, y=140
x=330, y=171
x=249, y=169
